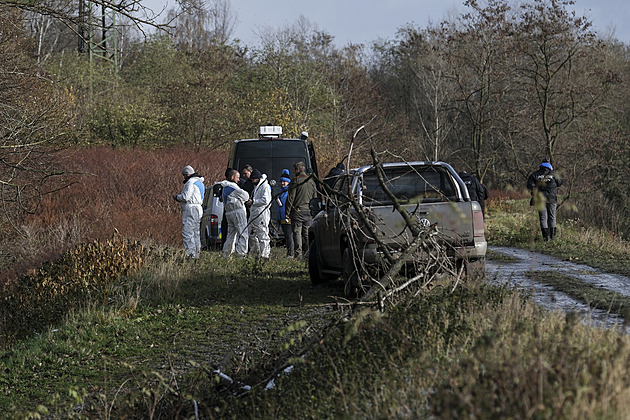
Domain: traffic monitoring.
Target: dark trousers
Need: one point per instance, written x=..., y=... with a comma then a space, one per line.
x=547, y=216
x=300, y=222
x=288, y=237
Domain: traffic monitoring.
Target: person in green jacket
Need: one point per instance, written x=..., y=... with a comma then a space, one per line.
x=301, y=190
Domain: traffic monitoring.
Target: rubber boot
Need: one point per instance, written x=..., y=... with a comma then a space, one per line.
x=552, y=233
x=545, y=233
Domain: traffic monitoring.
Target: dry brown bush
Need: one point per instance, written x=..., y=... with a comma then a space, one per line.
x=128, y=190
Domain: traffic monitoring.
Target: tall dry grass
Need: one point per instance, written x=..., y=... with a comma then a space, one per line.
x=128, y=190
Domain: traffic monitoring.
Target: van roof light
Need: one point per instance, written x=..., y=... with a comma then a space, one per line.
x=269, y=131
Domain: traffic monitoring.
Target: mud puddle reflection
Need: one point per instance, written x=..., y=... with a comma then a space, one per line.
x=514, y=273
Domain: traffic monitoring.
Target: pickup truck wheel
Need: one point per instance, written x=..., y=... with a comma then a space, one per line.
x=475, y=269
x=314, y=269
x=349, y=275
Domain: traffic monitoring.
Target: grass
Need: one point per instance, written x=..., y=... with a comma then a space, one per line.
x=177, y=316
x=473, y=351
x=514, y=223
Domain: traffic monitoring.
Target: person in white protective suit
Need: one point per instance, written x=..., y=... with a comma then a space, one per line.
x=259, y=216
x=234, y=198
x=190, y=199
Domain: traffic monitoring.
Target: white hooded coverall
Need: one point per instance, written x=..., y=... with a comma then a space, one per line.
x=234, y=198
x=190, y=199
x=259, y=216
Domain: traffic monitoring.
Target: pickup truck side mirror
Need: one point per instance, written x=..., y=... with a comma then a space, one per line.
x=315, y=206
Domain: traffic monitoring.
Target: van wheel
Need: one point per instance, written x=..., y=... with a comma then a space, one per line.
x=349, y=275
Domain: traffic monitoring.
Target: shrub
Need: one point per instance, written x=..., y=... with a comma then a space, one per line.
x=129, y=190
x=81, y=276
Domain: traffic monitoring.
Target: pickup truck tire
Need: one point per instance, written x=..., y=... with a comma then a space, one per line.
x=349, y=274
x=314, y=266
x=475, y=269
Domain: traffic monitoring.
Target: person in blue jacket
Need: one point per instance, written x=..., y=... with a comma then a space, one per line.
x=191, y=199
x=283, y=217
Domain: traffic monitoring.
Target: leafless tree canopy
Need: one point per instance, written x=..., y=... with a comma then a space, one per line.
x=492, y=90
x=35, y=120
x=201, y=23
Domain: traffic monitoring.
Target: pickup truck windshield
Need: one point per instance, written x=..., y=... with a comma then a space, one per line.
x=409, y=185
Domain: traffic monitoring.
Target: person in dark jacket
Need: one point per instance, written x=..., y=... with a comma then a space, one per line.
x=334, y=173
x=476, y=190
x=301, y=190
x=247, y=184
x=543, y=186
x=283, y=217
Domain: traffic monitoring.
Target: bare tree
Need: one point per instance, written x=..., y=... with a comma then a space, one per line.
x=138, y=14
x=552, y=42
x=46, y=31
x=200, y=23
x=36, y=119
x=427, y=87
x=478, y=54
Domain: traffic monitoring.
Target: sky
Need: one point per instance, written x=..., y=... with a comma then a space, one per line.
x=364, y=21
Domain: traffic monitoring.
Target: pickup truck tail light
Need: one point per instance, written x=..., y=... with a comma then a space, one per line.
x=478, y=225
x=214, y=220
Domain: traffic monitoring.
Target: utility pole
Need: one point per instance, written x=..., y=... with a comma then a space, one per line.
x=102, y=53
x=90, y=20
x=81, y=29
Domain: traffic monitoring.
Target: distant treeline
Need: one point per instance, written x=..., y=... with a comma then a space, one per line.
x=493, y=91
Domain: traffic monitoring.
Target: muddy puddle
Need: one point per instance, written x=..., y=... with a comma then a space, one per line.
x=513, y=273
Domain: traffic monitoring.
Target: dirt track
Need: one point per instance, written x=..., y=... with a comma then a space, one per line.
x=514, y=273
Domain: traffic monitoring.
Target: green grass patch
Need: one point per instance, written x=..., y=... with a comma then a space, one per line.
x=514, y=223
x=170, y=323
x=477, y=352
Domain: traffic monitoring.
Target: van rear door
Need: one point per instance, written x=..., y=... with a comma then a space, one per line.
x=270, y=156
x=311, y=152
